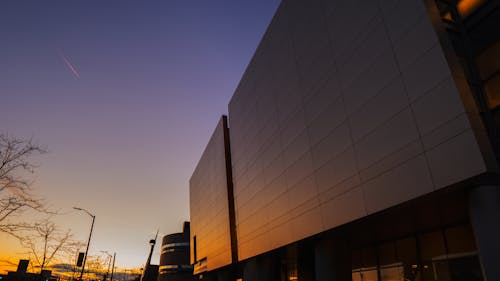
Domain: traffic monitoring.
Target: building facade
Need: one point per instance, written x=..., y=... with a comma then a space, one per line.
x=174, y=258
x=361, y=144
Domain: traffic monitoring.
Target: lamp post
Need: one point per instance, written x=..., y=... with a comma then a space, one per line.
x=90, y=236
x=113, y=268
x=110, y=256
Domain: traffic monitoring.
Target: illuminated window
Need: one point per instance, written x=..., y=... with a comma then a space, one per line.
x=488, y=63
x=364, y=267
x=169, y=250
x=170, y=245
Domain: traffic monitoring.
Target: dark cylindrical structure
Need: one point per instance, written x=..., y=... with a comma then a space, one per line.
x=174, y=258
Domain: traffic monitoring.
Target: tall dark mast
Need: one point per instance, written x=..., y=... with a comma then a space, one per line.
x=147, y=272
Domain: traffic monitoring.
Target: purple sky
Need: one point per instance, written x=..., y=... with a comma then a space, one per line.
x=124, y=136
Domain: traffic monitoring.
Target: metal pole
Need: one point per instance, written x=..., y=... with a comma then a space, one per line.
x=88, y=242
x=109, y=266
x=113, y=268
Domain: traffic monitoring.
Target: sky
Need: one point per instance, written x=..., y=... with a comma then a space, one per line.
x=124, y=95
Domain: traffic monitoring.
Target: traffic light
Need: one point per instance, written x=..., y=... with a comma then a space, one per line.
x=79, y=262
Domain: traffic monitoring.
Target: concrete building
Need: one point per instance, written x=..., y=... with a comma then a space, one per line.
x=174, y=258
x=361, y=144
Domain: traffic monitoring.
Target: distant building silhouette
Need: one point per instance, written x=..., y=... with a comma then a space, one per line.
x=174, y=258
x=23, y=265
x=22, y=275
x=362, y=143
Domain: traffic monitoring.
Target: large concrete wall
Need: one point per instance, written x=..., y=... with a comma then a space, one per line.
x=347, y=108
x=209, y=204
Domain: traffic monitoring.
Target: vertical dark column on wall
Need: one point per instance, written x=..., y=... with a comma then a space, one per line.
x=306, y=261
x=269, y=267
x=250, y=270
x=333, y=260
x=230, y=198
x=484, y=211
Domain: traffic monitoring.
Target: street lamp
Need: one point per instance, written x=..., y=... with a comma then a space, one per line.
x=110, y=256
x=88, y=243
x=113, y=268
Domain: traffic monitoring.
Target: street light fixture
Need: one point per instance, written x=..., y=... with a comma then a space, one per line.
x=88, y=243
x=110, y=256
x=113, y=268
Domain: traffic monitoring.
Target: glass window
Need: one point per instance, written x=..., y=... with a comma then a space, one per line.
x=492, y=87
x=444, y=255
x=462, y=255
x=365, y=265
x=392, y=272
x=387, y=253
x=390, y=268
x=406, y=250
x=489, y=61
x=460, y=241
x=356, y=259
x=292, y=273
x=465, y=269
x=434, y=265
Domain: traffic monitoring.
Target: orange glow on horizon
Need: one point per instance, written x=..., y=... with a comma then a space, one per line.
x=8, y=264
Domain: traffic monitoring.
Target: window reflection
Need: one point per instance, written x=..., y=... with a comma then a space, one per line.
x=292, y=273
x=365, y=274
x=365, y=267
x=488, y=63
x=390, y=268
x=443, y=255
x=406, y=250
x=432, y=247
x=392, y=272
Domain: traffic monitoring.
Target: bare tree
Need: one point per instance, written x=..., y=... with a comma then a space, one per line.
x=71, y=251
x=15, y=192
x=96, y=266
x=46, y=242
x=64, y=264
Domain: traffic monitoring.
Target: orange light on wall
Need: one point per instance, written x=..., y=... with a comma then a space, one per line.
x=466, y=7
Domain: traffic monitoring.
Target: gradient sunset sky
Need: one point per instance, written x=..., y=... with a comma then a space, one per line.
x=125, y=95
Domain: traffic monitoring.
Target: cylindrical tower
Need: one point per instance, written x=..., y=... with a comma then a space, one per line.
x=174, y=258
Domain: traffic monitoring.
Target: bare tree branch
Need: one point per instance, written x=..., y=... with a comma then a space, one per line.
x=16, y=194
x=46, y=242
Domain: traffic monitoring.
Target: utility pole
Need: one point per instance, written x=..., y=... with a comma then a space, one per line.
x=113, y=268
x=88, y=242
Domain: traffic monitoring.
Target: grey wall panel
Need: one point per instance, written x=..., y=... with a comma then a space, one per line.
x=439, y=105
x=347, y=108
x=401, y=17
x=425, y=72
x=378, y=109
x=386, y=139
x=406, y=181
x=456, y=159
x=209, y=204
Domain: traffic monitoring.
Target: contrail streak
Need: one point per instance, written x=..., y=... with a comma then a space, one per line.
x=69, y=65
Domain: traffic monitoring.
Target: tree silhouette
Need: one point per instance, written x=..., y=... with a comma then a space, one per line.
x=46, y=242
x=71, y=255
x=15, y=193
